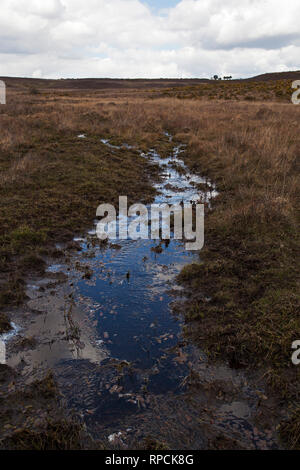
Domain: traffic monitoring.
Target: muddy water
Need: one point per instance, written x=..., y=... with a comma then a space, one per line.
x=105, y=325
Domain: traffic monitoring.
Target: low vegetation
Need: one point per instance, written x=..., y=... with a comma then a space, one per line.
x=243, y=295
x=51, y=181
x=277, y=90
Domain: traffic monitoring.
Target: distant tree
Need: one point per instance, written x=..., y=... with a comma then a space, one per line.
x=228, y=77
x=216, y=77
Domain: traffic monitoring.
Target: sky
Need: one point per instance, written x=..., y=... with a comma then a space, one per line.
x=158, y=5
x=148, y=38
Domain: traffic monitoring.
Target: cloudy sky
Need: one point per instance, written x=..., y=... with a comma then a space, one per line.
x=148, y=38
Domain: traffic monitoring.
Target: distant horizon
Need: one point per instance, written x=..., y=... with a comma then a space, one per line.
x=145, y=78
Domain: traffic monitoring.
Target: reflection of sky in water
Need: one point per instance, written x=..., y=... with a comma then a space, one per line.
x=130, y=306
x=55, y=268
x=14, y=331
x=129, y=287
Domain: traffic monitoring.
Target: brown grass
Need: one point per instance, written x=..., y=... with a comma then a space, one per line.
x=27, y=164
x=250, y=148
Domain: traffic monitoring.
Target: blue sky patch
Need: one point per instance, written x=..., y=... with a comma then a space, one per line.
x=157, y=5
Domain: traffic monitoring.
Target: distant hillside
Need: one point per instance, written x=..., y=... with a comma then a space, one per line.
x=116, y=83
x=98, y=83
x=276, y=76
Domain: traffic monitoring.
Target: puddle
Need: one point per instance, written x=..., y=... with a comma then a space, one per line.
x=130, y=285
x=10, y=334
x=117, y=349
x=53, y=268
x=118, y=147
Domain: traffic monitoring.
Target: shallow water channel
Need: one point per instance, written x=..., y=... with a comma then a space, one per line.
x=130, y=285
x=117, y=348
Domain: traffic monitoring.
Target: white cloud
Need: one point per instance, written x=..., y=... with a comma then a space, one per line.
x=124, y=38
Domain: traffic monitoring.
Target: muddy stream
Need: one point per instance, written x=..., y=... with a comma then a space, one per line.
x=103, y=321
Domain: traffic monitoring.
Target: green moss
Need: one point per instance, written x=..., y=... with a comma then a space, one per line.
x=24, y=236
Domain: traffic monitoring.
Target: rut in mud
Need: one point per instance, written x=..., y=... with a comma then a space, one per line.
x=110, y=334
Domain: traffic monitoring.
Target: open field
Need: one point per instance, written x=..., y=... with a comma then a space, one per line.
x=242, y=302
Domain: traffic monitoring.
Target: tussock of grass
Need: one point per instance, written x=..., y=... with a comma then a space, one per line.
x=60, y=435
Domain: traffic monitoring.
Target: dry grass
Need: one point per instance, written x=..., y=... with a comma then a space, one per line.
x=19, y=169
x=270, y=90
